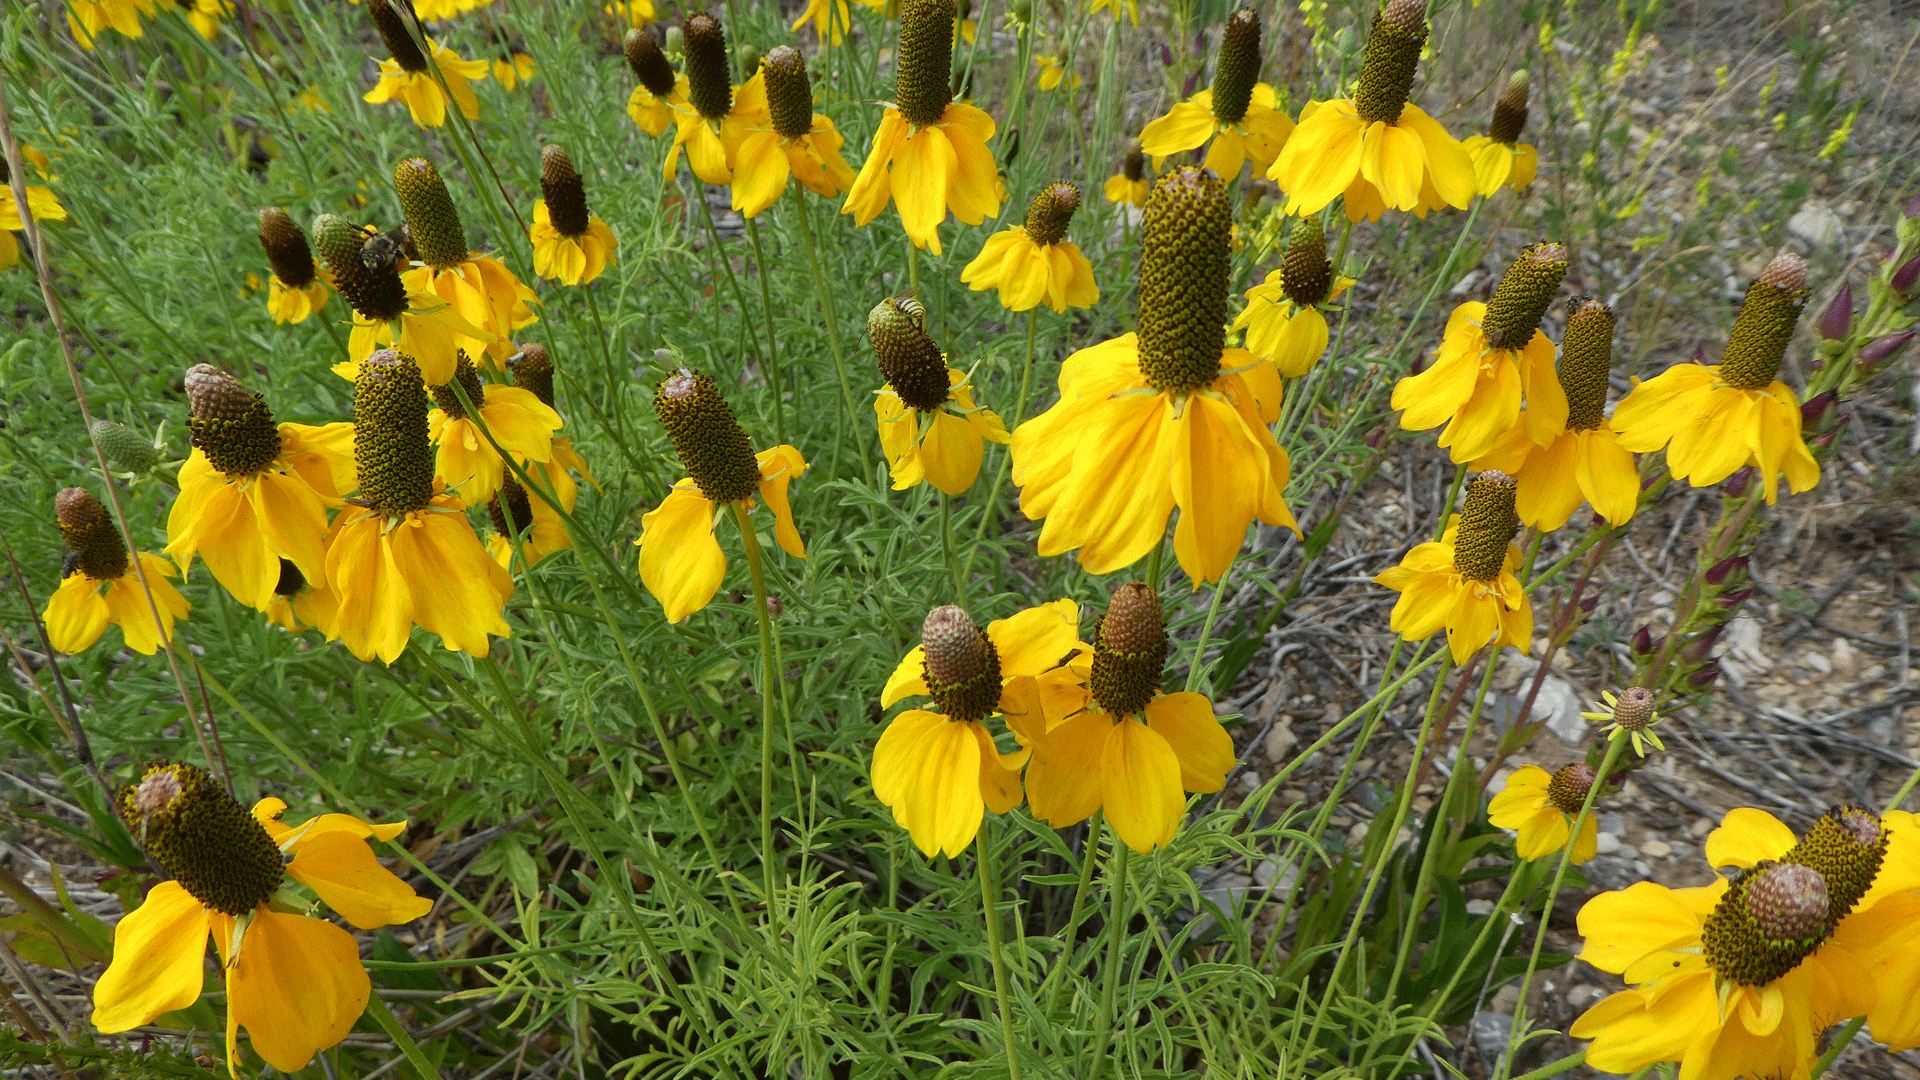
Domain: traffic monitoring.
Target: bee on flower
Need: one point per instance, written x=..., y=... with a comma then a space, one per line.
x=388, y=310
x=930, y=429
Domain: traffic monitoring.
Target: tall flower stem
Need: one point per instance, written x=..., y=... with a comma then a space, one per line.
x=913, y=267
x=606, y=353
x=333, y=332
x=1116, y=935
x=826, y=304
x=1057, y=979
x=989, y=910
x=767, y=691
x=953, y=555
x=773, y=347
x=990, y=509
x=1206, y=628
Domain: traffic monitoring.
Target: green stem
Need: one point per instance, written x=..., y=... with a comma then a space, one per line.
x=1840, y=1042
x=826, y=304
x=953, y=554
x=1905, y=790
x=767, y=676
x=1206, y=628
x=1089, y=854
x=773, y=346
x=913, y=267
x=989, y=514
x=383, y=1015
x=989, y=910
x=1565, y=1063
x=1153, y=565
x=1116, y=935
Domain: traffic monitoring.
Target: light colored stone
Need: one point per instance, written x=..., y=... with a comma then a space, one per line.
x=1656, y=849
x=1815, y=223
x=1742, y=642
x=1844, y=657
x=1479, y=907
x=1276, y=875
x=1606, y=843
x=1559, y=704
x=1700, y=827
x=1280, y=742
x=1818, y=662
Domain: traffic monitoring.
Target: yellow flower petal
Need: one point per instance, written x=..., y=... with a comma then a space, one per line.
x=296, y=986
x=159, y=952
x=680, y=561
x=1140, y=788
x=341, y=868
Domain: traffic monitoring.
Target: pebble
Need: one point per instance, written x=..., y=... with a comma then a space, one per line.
x=1656, y=849
x=1612, y=822
x=1606, y=843
x=1818, y=662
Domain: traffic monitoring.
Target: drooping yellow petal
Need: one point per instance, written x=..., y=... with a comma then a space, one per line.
x=159, y=952
x=1746, y=837
x=296, y=986
x=1140, y=788
x=458, y=590
x=680, y=561
x=1202, y=747
x=1215, y=479
x=1035, y=639
x=951, y=452
x=1622, y=928
x=780, y=466
x=1064, y=779
x=341, y=868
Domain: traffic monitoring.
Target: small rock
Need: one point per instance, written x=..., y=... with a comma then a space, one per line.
x=1845, y=659
x=1479, y=907
x=1223, y=889
x=1612, y=822
x=1275, y=875
x=1815, y=223
x=1280, y=741
x=1611, y=872
x=1560, y=704
x=1818, y=662
x=1606, y=843
x=1742, y=641
x=1491, y=1032
x=1700, y=827
x=1656, y=849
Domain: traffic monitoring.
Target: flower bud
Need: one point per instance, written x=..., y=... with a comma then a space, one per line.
x=126, y=449
x=1873, y=352
x=1816, y=407
x=1701, y=646
x=1839, y=315
x=1903, y=278
x=1718, y=572
x=1643, y=643
x=1737, y=486
x=1735, y=598
x=1587, y=605
x=1704, y=678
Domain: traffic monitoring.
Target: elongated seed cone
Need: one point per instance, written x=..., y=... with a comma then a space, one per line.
x=1585, y=358
x=1134, y=165
x=1129, y=651
x=468, y=377
x=1522, y=297
x=98, y=551
x=1510, y=110
x=231, y=424
x=648, y=64
x=1769, y=919
x=708, y=439
x=789, y=92
x=1306, y=274
x=532, y=371
x=1184, y=267
x=206, y=840
x=709, y=87
x=564, y=192
x=961, y=666
x=1393, y=51
x=1238, y=68
x=286, y=248
x=1568, y=788
x=391, y=452
x=127, y=450
x=510, y=510
x=375, y=292
x=923, y=86
x=909, y=360
x=1765, y=324
x=1487, y=525
x=1050, y=213
x=431, y=218
x=1847, y=845
x=393, y=30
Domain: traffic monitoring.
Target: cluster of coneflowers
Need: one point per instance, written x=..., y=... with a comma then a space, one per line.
x=359, y=530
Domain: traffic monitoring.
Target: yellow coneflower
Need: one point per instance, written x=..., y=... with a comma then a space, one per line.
x=1283, y=318
x=1035, y=262
x=1740, y=977
x=1500, y=159
x=86, y=18
x=830, y=19
x=1629, y=716
x=635, y=13
x=715, y=117
x=479, y=287
x=1713, y=419
x=205, y=15
x=1050, y=70
x=570, y=245
x=1129, y=8
x=513, y=69
x=793, y=140
x=464, y=461
x=1236, y=112
x=661, y=93
x=1135, y=752
x=680, y=561
x=1168, y=417
x=439, y=10
x=252, y=494
x=532, y=370
x=512, y=511
x=1541, y=809
x=298, y=287
x=78, y=611
x=295, y=982
x=1464, y=583
x=388, y=310
x=1132, y=183
x=1492, y=356
x=930, y=429
x=939, y=772
x=1377, y=149
x=404, y=77
x=930, y=154
x=402, y=554
x=42, y=203
x=1585, y=461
